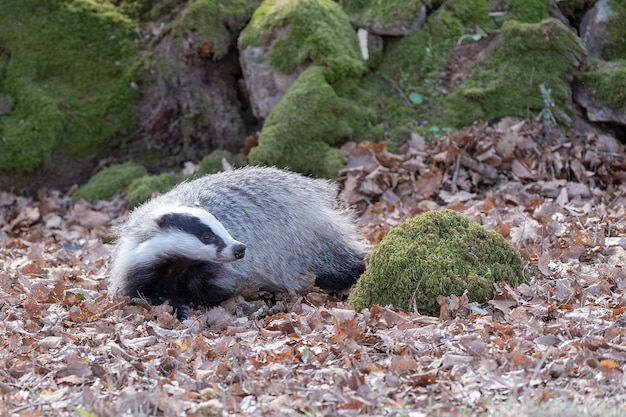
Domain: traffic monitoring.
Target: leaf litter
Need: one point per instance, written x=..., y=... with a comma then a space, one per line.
x=70, y=348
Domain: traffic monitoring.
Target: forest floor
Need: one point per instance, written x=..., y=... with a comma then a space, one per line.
x=553, y=347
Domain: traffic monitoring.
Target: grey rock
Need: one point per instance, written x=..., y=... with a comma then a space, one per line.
x=594, y=30
x=597, y=110
x=265, y=86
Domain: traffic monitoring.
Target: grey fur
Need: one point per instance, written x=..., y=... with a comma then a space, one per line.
x=295, y=229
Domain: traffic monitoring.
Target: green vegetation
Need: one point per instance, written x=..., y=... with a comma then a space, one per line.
x=471, y=12
x=214, y=24
x=319, y=110
x=110, y=181
x=413, y=65
x=307, y=30
x=381, y=12
x=141, y=189
x=437, y=253
x=528, y=11
x=609, y=82
x=69, y=74
x=299, y=130
x=507, y=83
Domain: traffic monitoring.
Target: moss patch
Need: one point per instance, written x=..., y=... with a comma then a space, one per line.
x=528, y=11
x=70, y=73
x=300, y=129
x=381, y=12
x=609, y=82
x=298, y=31
x=412, y=68
x=109, y=182
x=507, y=83
x=143, y=188
x=470, y=12
x=437, y=253
x=214, y=23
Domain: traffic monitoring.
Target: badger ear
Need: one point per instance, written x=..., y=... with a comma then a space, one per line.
x=164, y=221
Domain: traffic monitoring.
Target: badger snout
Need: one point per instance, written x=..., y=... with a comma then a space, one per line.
x=239, y=251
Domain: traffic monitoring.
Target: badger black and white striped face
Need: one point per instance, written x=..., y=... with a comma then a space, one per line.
x=191, y=233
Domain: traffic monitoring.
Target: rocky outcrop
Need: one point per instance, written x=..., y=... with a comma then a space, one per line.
x=597, y=109
x=264, y=84
x=594, y=30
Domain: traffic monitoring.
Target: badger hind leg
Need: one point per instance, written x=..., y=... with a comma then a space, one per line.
x=343, y=271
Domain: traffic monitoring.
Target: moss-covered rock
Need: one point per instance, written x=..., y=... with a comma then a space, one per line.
x=141, y=189
x=608, y=80
x=110, y=181
x=385, y=17
x=69, y=74
x=507, y=83
x=406, y=84
x=299, y=131
x=306, y=30
x=437, y=253
x=213, y=23
x=470, y=12
x=528, y=11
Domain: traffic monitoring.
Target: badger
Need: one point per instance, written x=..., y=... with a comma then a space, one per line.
x=255, y=227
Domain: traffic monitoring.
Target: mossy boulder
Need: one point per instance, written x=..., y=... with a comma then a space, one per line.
x=437, y=253
x=299, y=131
x=608, y=80
x=386, y=17
x=528, y=11
x=110, y=181
x=507, y=82
x=411, y=70
x=299, y=31
x=210, y=27
x=68, y=66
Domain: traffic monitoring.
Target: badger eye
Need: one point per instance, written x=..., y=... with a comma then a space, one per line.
x=206, y=237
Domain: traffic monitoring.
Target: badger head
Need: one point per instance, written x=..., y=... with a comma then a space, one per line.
x=178, y=233
x=192, y=233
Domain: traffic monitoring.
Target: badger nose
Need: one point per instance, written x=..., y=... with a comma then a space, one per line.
x=239, y=251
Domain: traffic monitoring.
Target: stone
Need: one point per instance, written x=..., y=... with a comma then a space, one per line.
x=265, y=85
x=594, y=29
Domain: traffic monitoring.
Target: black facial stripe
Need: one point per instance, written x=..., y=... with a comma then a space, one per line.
x=189, y=223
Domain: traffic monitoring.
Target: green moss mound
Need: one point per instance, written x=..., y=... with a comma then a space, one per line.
x=315, y=30
x=70, y=73
x=507, y=83
x=437, y=253
x=109, y=182
x=300, y=129
x=143, y=188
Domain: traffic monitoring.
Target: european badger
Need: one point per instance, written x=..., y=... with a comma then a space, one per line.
x=206, y=240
